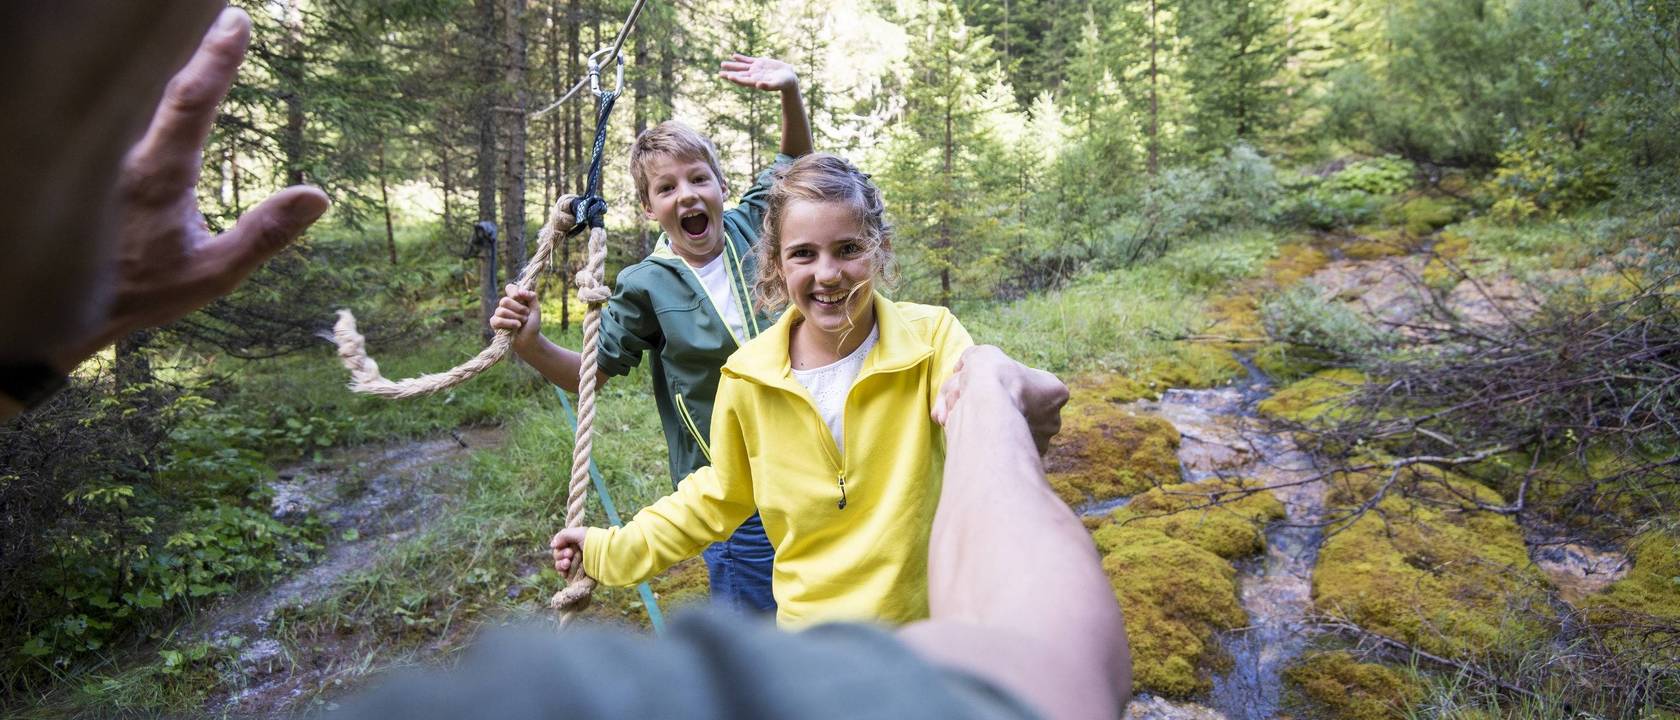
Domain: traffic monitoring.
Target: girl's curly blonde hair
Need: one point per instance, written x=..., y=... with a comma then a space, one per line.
x=820, y=177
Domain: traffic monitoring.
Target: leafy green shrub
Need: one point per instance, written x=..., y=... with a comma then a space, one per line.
x=1543, y=174
x=1376, y=176
x=1353, y=196
x=1301, y=316
x=1325, y=209
x=100, y=582
x=1219, y=259
x=1239, y=190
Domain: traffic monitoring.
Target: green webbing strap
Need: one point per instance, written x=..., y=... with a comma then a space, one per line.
x=654, y=616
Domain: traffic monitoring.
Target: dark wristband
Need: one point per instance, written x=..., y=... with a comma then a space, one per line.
x=30, y=383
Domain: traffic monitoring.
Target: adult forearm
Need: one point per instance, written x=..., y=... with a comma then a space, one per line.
x=1016, y=590
x=796, y=126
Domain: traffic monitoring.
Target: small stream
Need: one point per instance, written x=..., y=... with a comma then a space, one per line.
x=1222, y=438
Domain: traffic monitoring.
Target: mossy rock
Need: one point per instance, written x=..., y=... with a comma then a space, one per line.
x=1236, y=315
x=1294, y=263
x=1450, y=247
x=1175, y=596
x=1307, y=400
x=1427, y=572
x=1106, y=451
x=1213, y=516
x=1423, y=214
x=1373, y=243
x=1193, y=365
x=1286, y=363
x=1343, y=687
x=1651, y=589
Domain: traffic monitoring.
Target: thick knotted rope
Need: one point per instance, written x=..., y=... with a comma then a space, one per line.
x=592, y=291
x=364, y=372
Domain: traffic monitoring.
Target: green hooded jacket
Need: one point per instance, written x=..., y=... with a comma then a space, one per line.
x=660, y=307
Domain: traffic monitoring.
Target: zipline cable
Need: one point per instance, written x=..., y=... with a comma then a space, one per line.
x=594, y=69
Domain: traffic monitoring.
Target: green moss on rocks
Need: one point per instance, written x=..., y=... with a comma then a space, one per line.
x=1422, y=571
x=1652, y=585
x=1106, y=451
x=1175, y=597
x=1343, y=687
x=1286, y=363
x=1234, y=528
x=1423, y=214
x=1294, y=263
x=1306, y=400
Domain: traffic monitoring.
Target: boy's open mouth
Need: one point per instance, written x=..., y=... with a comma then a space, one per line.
x=696, y=225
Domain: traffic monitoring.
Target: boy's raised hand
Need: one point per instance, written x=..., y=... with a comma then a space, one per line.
x=759, y=72
x=520, y=312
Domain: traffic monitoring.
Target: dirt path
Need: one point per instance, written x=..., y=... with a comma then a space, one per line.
x=371, y=497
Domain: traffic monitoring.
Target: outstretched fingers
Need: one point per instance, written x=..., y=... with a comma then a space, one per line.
x=167, y=158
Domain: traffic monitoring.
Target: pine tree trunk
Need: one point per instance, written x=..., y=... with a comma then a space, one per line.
x=1154, y=98
x=513, y=180
x=385, y=204
x=291, y=87
x=488, y=54
x=448, y=183
x=573, y=149
x=945, y=219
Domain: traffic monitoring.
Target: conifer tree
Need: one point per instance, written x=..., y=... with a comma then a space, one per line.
x=1237, y=53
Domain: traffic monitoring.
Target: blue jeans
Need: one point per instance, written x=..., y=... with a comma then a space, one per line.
x=739, y=569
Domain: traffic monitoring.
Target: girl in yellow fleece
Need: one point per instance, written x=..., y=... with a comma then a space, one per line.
x=822, y=422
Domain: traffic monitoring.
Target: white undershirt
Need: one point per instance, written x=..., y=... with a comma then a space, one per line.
x=715, y=276
x=829, y=384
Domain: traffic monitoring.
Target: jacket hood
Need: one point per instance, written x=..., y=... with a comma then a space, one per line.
x=765, y=360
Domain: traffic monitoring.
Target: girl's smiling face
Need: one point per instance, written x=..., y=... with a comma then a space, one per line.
x=829, y=265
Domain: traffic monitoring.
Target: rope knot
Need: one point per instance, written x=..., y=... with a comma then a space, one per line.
x=575, y=596
x=589, y=211
x=590, y=290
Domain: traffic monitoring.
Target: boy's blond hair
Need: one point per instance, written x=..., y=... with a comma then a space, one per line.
x=820, y=177
x=675, y=140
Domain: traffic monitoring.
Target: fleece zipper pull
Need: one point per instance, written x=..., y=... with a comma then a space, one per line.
x=842, y=479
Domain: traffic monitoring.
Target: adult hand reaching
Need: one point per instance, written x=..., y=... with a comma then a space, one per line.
x=168, y=262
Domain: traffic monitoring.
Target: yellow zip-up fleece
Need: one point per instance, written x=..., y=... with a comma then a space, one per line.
x=850, y=529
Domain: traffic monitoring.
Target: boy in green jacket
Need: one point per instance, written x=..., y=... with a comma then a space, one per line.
x=689, y=304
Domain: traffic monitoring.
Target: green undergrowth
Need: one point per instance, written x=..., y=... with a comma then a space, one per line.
x=1126, y=321
x=305, y=396
x=1650, y=591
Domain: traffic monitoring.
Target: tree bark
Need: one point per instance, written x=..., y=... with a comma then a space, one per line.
x=513, y=179
x=1154, y=98
x=290, y=70
x=487, y=61
x=385, y=204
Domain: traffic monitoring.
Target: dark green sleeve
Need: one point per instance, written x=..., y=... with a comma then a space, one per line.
x=757, y=198
x=629, y=327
